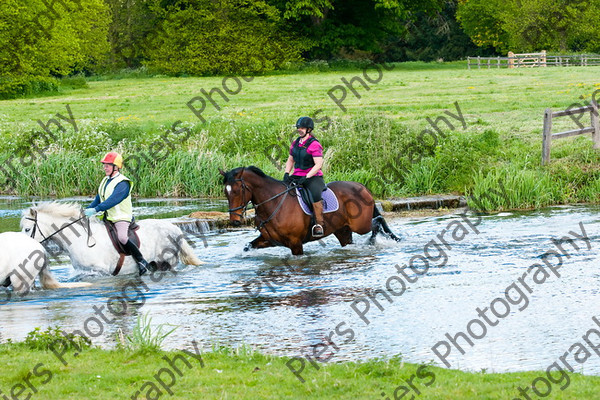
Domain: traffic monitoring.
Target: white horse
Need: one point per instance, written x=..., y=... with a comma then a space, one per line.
x=89, y=246
x=21, y=260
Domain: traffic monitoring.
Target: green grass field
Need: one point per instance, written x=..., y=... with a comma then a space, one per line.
x=376, y=135
x=227, y=374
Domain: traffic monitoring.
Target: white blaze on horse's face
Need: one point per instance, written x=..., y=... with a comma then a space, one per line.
x=228, y=188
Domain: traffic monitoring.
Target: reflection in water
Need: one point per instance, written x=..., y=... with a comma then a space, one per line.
x=282, y=304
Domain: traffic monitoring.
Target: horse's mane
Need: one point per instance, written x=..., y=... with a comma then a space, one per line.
x=57, y=209
x=229, y=176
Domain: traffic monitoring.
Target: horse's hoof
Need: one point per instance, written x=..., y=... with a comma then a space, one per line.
x=152, y=266
x=164, y=266
x=248, y=247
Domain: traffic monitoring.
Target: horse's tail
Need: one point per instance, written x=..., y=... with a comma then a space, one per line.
x=48, y=282
x=186, y=254
x=380, y=224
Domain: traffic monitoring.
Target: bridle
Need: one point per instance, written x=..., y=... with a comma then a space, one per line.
x=36, y=227
x=244, y=207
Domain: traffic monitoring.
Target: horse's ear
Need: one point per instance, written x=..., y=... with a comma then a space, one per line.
x=221, y=172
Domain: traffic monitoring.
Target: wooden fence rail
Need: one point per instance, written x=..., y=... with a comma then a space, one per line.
x=548, y=136
x=520, y=61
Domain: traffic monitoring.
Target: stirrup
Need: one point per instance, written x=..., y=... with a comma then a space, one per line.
x=319, y=231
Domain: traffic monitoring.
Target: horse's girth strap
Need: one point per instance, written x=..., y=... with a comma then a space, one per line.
x=119, y=264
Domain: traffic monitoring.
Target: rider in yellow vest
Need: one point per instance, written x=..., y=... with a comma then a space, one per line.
x=114, y=199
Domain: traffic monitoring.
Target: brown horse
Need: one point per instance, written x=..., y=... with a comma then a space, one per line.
x=282, y=222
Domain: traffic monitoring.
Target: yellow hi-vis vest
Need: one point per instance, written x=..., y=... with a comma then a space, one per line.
x=122, y=211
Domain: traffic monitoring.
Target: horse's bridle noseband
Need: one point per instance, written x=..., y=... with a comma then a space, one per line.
x=36, y=228
x=243, y=207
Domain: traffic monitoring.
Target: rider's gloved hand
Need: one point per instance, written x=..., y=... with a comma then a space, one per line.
x=89, y=212
x=300, y=180
x=286, y=178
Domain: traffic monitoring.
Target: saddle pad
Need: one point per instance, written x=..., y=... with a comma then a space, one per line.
x=330, y=202
x=132, y=234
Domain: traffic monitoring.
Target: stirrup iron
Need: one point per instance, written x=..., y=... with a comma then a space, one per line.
x=320, y=234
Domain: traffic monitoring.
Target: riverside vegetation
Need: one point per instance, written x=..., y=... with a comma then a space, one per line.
x=368, y=143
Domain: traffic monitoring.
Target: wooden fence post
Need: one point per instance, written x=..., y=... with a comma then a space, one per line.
x=547, y=138
x=595, y=125
x=543, y=58
x=511, y=61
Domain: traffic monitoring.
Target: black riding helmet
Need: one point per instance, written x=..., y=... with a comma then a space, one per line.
x=305, y=122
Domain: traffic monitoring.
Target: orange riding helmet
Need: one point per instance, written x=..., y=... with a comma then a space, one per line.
x=113, y=158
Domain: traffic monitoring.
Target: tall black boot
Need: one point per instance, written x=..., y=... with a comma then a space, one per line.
x=137, y=256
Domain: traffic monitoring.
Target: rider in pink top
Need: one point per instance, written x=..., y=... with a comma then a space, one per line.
x=306, y=160
x=314, y=149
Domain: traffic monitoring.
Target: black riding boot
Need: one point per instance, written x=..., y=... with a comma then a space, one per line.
x=137, y=255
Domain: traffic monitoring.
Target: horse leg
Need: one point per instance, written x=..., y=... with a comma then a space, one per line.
x=375, y=230
x=296, y=249
x=344, y=235
x=259, y=243
x=387, y=231
x=379, y=224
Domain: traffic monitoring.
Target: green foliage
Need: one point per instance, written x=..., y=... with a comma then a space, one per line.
x=133, y=28
x=531, y=25
x=228, y=37
x=143, y=338
x=424, y=177
x=53, y=338
x=73, y=82
x=39, y=38
x=431, y=37
x=511, y=187
x=350, y=29
x=460, y=154
x=482, y=21
x=13, y=87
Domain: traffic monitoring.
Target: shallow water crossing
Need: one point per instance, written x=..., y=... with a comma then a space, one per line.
x=418, y=298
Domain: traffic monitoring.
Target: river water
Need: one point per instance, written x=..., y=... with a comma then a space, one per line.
x=314, y=295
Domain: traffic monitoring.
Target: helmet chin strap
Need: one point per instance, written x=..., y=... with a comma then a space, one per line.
x=305, y=133
x=113, y=170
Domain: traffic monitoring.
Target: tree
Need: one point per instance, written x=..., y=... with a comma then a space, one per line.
x=531, y=25
x=341, y=27
x=42, y=38
x=432, y=37
x=225, y=36
x=482, y=21
x=133, y=28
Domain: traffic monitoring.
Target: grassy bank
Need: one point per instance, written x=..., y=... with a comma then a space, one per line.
x=228, y=374
x=378, y=140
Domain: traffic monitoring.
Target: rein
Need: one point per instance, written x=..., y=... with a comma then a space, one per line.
x=245, y=206
x=37, y=227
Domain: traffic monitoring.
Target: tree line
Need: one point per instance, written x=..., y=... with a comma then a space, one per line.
x=56, y=38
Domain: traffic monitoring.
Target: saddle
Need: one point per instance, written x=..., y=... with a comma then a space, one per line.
x=131, y=234
x=330, y=201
